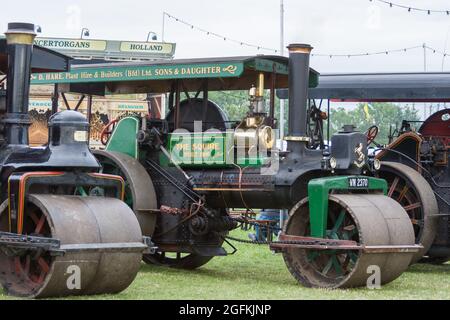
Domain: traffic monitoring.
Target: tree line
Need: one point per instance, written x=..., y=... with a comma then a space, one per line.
x=387, y=116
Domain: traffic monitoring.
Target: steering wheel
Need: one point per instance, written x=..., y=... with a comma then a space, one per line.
x=107, y=131
x=371, y=134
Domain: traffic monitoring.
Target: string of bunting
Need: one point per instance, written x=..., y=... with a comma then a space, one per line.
x=445, y=54
x=343, y=55
x=409, y=8
x=225, y=38
x=365, y=53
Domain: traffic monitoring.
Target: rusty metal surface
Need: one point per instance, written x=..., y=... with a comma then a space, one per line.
x=392, y=249
x=80, y=222
x=425, y=196
x=385, y=238
x=105, y=247
x=330, y=244
x=173, y=211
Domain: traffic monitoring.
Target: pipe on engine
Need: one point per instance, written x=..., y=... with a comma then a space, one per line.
x=299, y=55
x=19, y=38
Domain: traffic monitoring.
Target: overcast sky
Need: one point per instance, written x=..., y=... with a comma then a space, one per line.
x=331, y=26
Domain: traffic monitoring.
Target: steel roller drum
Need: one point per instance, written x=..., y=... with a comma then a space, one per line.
x=375, y=220
x=78, y=222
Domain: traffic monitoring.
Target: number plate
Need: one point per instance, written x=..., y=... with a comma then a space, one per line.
x=358, y=183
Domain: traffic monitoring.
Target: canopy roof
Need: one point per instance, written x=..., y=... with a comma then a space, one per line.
x=228, y=73
x=382, y=87
x=44, y=60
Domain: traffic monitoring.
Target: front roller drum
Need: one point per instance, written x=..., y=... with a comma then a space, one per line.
x=85, y=226
x=369, y=220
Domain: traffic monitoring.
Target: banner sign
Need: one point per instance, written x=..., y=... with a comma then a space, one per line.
x=71, y=44
x=114, y=49
x=46, y=104
x=39, y=104
x=146, y=47
x=135, y=73
x=131, y=107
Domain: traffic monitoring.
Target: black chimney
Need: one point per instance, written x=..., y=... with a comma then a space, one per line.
x=298, y=93
x=19, y=38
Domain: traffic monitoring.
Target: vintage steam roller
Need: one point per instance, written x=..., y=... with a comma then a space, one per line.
x=64, y=229
x=184, y=172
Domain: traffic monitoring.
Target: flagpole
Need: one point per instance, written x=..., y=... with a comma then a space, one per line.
x=282, y=212
x=282, y=53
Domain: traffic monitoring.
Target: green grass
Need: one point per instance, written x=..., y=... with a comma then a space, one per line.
x=255, y=273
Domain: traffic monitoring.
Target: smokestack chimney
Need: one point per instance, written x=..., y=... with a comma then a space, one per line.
x=298, y=94
x=19, y=38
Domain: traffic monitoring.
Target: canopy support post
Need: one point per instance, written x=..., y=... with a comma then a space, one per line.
x=177, y=105
x=328, y=123
x=80, y=101
x=55, y=99
x=205, y=100
x=89, y=115
x=66, y=103
x=273, y=78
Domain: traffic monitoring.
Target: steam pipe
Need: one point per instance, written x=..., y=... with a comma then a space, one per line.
x=298, y=92
x=19, y=38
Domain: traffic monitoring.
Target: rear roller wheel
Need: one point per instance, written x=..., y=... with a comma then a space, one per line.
x=140, y=194
x=75, y=221
x=366, y=219
x=188, y=261
x=435, y=260
x=413, y=192
x=139, y=191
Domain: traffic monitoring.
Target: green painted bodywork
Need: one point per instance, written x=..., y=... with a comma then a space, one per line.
x=123, y=139
x=218, y=68
x=189, y=150
x=265, y=65
x=318, y=192
x=136, y=73
x=193, y=150
x=213, y=150
x=252, y=161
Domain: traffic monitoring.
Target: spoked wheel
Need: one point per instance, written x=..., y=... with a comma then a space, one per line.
x=107, y=132
x=139, y=191
x=33, y=267
x=184, y=260
x=336, y=264
x=141, y=197
x=434, y=260
x=413, y=192
x=366, y=219
x=177, y=260
x=372, y=134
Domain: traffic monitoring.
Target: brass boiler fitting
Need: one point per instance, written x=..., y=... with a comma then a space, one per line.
x=252, y=131
x=259, y=98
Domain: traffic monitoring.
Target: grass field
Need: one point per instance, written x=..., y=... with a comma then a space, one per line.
x=255, y=273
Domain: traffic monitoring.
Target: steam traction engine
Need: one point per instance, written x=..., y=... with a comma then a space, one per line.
x=59, y=217
x=184, y=172
x=416, y=165
x=415, y=162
